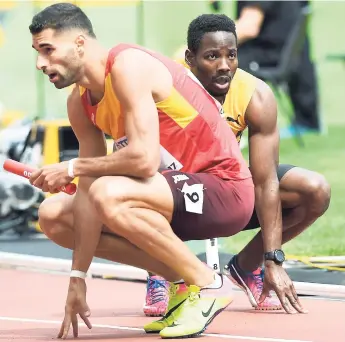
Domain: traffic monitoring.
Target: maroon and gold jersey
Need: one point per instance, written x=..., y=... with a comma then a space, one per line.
x=193, y=136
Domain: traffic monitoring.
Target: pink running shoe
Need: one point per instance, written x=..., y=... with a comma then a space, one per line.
x=157, y=296
x=252, y=284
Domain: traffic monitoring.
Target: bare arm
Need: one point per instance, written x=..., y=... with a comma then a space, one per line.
x=248, y=25
x=91, y=144
x=261, y=116
x=141, y=157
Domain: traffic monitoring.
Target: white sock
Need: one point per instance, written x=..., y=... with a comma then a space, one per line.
x=217, y=283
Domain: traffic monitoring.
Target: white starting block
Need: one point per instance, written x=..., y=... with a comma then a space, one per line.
x=212, y=255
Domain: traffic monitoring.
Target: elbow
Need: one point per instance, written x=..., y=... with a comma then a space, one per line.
x=268, y=183
x=149, y=169
x=252, y=32
x=146, y=163
x=267, y=189
x=249, y=29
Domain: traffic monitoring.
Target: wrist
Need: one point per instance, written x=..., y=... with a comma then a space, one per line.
x=71, y=168
x=76, y=275
x=271, y=263
x=276, y=256
x=81, y=167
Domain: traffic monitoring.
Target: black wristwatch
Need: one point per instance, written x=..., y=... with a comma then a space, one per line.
x=277, y=256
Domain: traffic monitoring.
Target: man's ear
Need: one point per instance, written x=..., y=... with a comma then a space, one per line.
x=189, y=58
x=80, y=41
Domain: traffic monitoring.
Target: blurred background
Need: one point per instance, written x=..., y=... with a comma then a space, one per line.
x=25, y=95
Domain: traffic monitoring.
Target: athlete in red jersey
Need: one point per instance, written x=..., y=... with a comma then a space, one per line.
x=160, y=118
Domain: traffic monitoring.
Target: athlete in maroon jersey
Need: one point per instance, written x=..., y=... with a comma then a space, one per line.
x=154, y=111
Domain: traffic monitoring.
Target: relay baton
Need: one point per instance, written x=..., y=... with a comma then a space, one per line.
x=25, y=171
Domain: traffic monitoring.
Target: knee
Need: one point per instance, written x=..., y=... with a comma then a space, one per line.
x=318, y=194
x=47, y=219
x=108, y=201
x=114, y=206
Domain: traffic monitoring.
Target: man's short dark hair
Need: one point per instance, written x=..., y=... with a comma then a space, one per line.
x=61, y=17
x=206, y=23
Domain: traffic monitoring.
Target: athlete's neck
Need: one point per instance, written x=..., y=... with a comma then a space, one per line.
x=220, y=99
x=94, y=67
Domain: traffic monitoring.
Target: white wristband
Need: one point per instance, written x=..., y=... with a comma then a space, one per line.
x=70, y=167
x=77, y=274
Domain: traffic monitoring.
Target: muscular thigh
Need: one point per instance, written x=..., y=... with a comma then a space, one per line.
x=288, y=196
x=59, y=205
x=206, y=206
x=293, y=182
x=153, y=193
x=59, y=208
x=294, y=185
x=56, y=209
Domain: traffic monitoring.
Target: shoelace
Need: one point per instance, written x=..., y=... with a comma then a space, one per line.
x=193, y=296
x=191, y=301
x=172, y=290
x=157, y=290
x=259, y=280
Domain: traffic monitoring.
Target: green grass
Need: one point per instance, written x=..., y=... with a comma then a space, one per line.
x=324, y=154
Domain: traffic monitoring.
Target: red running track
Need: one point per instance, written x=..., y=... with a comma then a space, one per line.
x=32, y=306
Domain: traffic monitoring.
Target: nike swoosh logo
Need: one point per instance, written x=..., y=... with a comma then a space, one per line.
x=207, y=313
x=169, y=313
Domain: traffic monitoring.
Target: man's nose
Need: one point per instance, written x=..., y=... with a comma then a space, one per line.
x=41, y=63
x=224, y=65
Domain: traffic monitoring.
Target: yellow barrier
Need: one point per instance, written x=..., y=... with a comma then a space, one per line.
x=307, y=261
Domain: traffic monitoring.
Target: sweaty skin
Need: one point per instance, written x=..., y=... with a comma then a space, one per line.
x=214, y=63
x=305, y=193
x=140, y=158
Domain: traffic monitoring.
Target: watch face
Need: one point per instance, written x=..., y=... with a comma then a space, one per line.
x=280, y=256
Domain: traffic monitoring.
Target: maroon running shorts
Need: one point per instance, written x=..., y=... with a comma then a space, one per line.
x=206, y=206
